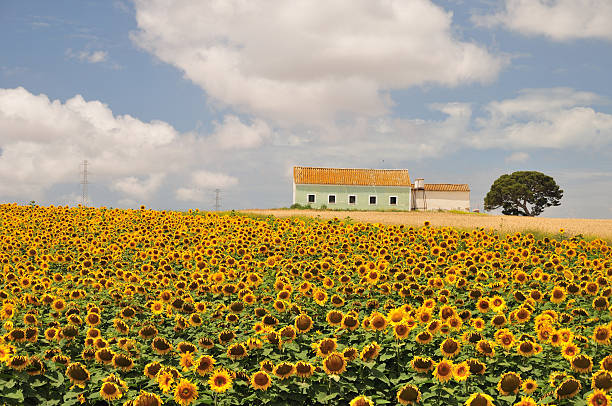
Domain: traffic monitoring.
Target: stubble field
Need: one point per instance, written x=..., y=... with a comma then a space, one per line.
x=590, y=228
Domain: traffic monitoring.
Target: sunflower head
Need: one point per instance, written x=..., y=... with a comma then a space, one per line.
x=510, y=382
x=220, y=381
x=77, y=373
x=568, y=388
x=334, y=364
x=479, y=399
x=147, y=399
x=408, y=395
x=110, y=391
x=261, y=380
x=443, y=371
x=185, y=392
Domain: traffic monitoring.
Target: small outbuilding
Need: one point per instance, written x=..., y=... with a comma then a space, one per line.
x=374, y=189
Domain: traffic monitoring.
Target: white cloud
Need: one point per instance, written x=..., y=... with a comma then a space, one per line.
x=190, y=194
x=43, y=142
x=300, y=62
x=517, y=157
x=233, y=134
x=543, y=118
x=205, y=179
x=560, y=20
x=202, y=183
x=137, y=188
x=88, y=56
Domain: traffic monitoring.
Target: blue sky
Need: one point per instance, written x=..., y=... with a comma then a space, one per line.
x=168, y=104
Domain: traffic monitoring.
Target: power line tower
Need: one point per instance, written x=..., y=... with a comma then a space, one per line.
x=217, y=199
x=84, y=184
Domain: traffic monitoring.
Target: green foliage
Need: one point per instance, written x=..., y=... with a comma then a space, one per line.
x=523, y=193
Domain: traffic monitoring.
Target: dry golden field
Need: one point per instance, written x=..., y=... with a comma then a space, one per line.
x=504, y=224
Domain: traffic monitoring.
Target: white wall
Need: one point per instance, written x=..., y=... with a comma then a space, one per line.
x=445, y=200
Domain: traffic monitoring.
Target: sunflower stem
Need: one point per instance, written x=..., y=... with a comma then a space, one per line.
x=397, y=357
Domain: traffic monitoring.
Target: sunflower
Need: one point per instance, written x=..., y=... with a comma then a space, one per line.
x=605, y=364
x=334, y=317
x=220, y=381
x=92, y=319
x=478, y=323
x=569, y=351
x=525, y=348
x=505, y=339
x=260, y=380
x=161, y=346
x=601, y=335
x=77, y=374
x=361, y=400
x=325, y=347
x=227, y=335
x=18, y=362
x=529, y=386
x=237, y=351
x=598, y=398
x=568, y=389
x=284, y=370
x=461, y=371
x=486, y=348
x=122, y=362
x=479, y=399
x=187, y=361
x=522, y=315
x=558, y=295
x=110, y=391
x=378, y=322
x=450, y=348
x=422, y=364
x=320, y=297
x=602, y=380
x=443, y=371
x=165, y=380
x=147, y=399
x=555, y=378
x=35, y=367
x=350, y=322
x=185, y=392
x=483, y=305
x=370, y=351
x=408, y=395
x=304, y=369
x=267, y=366
x=288, y=333
x=204, y=364
x=334, y=364
x=206, y=343
x=151, y=369
x=401, y=331
x=424, y=337
x=510, y=382
x=526, y=401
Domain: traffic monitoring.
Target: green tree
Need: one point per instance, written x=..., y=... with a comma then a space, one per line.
x=523, y=193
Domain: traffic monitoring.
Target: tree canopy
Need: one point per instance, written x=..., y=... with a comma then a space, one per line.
x=523, y=193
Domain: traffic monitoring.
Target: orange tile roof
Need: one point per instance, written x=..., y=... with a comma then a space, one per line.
x=353, y=177
x=446, y=187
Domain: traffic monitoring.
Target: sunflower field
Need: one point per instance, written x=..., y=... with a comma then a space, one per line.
x=142, y=307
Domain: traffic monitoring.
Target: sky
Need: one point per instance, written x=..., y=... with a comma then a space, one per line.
x=168, y=101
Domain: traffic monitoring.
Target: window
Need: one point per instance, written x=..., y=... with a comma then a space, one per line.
x=331, y=199
x=352, y=199
x=311, y=198
x=372, y=199
x=393, y=200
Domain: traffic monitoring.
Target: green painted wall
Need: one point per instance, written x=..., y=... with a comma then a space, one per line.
x=362, y=193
